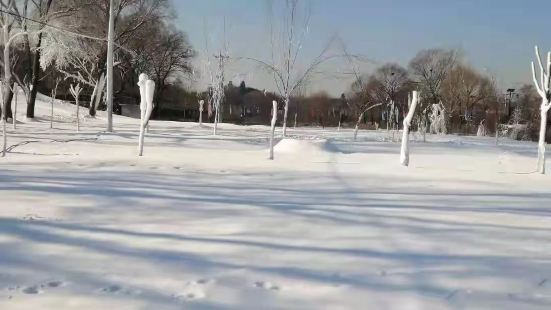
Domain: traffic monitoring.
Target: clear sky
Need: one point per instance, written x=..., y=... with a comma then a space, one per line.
x=496, y=36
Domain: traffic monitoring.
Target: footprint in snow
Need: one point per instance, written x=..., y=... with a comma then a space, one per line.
x=203, y=281
x=111, y=289
x=267, y=285
x=53, y=284
x=116, y=289
x=32, y=290
x=190, y=296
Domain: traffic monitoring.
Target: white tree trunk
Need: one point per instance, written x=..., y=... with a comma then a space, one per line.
x=52, y=111
x=142, y=136
x=147, y=91
x=201, y=103
x=285, y=114
x=272, y=129
x=7, y=78
x=77, y=112
x=110, y=63
x=296, y=116
x=4, y=134
x=14, y=118
x=215, y=130
x=541, y=143
x=404, y=154
x=358, y=126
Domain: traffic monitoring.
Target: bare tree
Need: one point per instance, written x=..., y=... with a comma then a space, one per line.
x=169, y=55
x=543, y=86
x=429, y=69
x=286, y=45
x=363, y=91
x=462, y=90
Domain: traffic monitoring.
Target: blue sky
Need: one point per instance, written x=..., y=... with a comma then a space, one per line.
x=496, y=36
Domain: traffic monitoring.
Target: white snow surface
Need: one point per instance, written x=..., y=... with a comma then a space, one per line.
x=203, y=222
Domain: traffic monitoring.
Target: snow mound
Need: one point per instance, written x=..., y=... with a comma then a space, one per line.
x=297, y=146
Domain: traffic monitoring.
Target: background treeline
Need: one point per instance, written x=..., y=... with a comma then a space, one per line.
x=147, y=41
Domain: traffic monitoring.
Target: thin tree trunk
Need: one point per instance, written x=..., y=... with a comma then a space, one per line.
x=14, y=118
x=31, y=102
x=404, y=154
x=36, y=68
x=52, y=110
x=285, y=114
x=201, y=103
x=110, y=62
x=9, y=99
x=215, y=130
x=78, y=116
x=541, y=143
x=272, y=129
x=6, y=88
x=360, y=118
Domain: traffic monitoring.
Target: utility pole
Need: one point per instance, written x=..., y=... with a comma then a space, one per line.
x=110, y=63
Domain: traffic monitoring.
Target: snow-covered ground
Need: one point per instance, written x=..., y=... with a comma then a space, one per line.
x=203, y=222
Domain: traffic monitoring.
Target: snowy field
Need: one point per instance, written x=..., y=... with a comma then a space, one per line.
x=203, y=222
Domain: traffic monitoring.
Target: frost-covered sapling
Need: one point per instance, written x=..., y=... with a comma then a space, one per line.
x=201, y=107
x=75, y=91
x=147, y=91
x=272, y=129
x=544, y=90
x=404, y=156
x=482, y=130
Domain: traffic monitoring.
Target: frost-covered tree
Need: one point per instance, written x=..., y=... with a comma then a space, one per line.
x=438, y=118
x=404, y=153
x=543, y=86
x=482, y=130
x=217, y=94
x=9, y=33
x=31, y=17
